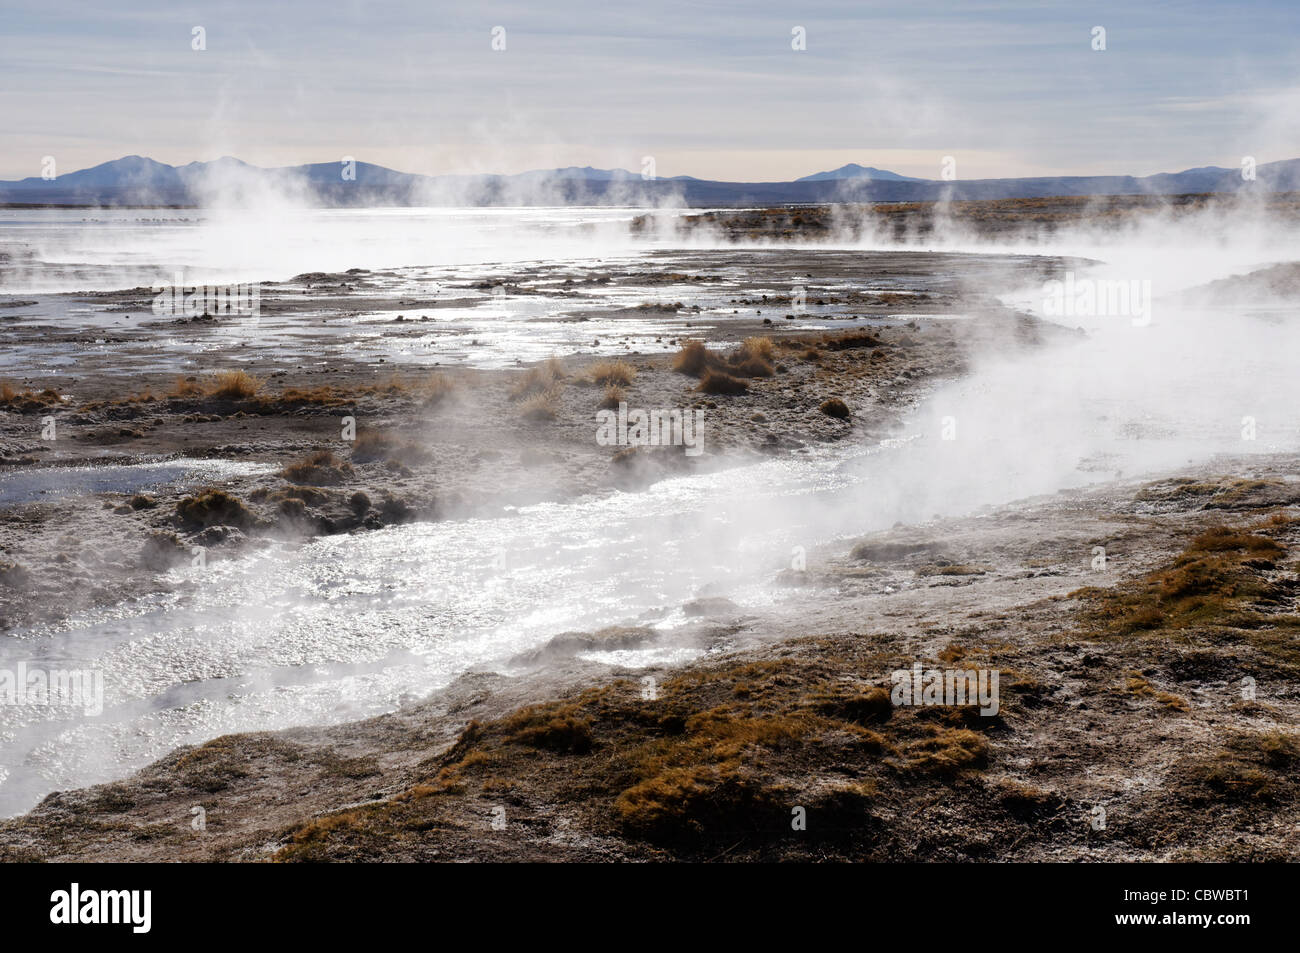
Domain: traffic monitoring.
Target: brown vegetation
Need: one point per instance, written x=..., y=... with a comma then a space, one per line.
x=212, y=508
x=720, y=382
x=611, y=373
x=234, y=385
x=321, y=468
x=834, y=407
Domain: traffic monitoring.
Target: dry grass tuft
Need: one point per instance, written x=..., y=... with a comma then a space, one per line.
x=541, y=406
x=373, y=445
x=563, y=730
x=1253, y=766
x=947, y=751
x=212, y=508
x=234, y=385
x=613, y=397
x=436, y=388
x=539, y=379
x=28, y=400
x=185, y=387
x=324, y=395
x=321, y=468
x=761, y=348
x=720, y=382
x=695, y=358
x=618, y=373
x=835, y=408
x=749, y=365
x=753, y=358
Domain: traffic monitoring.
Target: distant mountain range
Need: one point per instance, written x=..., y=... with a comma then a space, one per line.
x=135, y=180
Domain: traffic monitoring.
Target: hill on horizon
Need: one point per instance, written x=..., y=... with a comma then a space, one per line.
x=139, y=180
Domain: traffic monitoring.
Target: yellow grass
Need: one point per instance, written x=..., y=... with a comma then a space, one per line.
x=618, y=373
x=234, y=385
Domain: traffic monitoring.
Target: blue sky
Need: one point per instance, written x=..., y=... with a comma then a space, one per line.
x=708, y=89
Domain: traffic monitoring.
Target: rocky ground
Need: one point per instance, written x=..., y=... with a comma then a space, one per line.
x=1034, y=220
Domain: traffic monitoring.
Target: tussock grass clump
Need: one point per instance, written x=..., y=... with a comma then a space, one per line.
x=214, y=508
x=13, y=574
x=1252, y=766
x=714, y=758
x=324, y=395
x=720, y=382
x=304, y=494
x=615, y=373
x=849, y=342
x=613, y=396
x=758, y=347
x=749, y=365
x=562, y=730
x=1221, y=539
x=695, y=770
x=436, y=388
x=692, y=801
x=872, y=707
x=185, y=387
x=318, y=830
x=1224, y=596
x=375, y=445
x=321, y=468
x=753, y=358
x=834, y=407
x=393, y=384
x=541, y=406
x=705, y=780
x=953, y=569
x=234, y=385
x=539, y=379
x=162, y=551
x=947, y=751
x=1214, y=581
x=26, y=401
x=1026, y=801
x=1137, y=684
x=695, y=358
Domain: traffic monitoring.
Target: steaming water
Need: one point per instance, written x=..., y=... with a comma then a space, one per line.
x=53, y=250
x=345, y=627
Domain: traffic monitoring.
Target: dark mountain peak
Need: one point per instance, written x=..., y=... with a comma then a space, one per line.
x=855, y=171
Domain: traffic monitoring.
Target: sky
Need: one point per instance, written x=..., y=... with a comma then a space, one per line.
x=710, y=89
